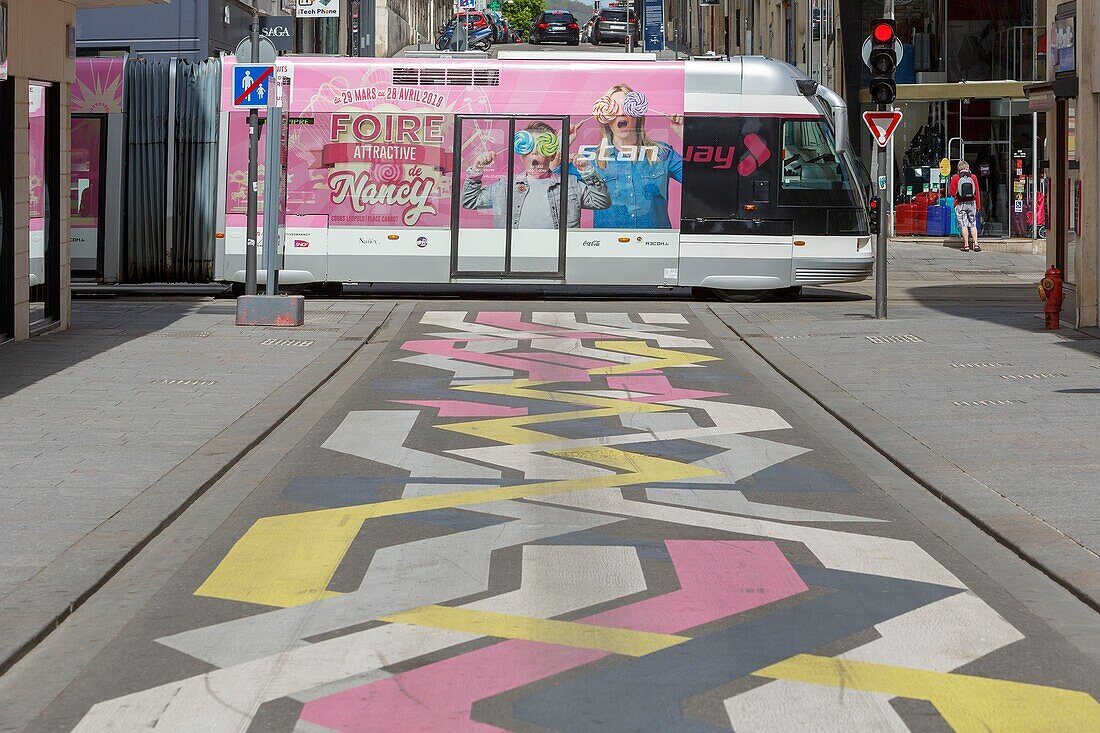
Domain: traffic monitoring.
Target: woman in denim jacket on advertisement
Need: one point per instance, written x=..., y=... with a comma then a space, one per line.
x=635, y=167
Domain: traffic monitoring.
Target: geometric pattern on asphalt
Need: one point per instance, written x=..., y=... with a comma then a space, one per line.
x=594, y=449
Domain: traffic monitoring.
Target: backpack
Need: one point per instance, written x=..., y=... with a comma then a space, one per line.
x=966, y=189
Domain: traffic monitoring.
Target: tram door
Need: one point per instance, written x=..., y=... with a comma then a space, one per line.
x=510, y=207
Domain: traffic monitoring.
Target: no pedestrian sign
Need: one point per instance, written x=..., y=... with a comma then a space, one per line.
x=882, y=125
x=250, y=84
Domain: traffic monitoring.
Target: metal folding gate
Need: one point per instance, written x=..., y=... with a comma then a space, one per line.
x=172, y=120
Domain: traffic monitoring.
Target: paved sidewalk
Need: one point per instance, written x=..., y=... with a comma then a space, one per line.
x=963, y=389
x=107, y=431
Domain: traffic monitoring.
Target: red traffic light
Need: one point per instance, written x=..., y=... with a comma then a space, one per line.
x=874, y=204
x=883, y=32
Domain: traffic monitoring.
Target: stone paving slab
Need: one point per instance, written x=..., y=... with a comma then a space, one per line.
x=109, y=430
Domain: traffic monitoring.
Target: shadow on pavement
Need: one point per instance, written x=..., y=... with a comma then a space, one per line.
x=97, y=327
x=1004, y=304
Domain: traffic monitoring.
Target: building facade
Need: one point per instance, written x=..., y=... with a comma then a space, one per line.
x=1070, y=99
x=1008, y=85
x=198, y=29
x=188, y=29
x=37, y=57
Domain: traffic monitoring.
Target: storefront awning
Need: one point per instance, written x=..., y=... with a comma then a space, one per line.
x=940, y=92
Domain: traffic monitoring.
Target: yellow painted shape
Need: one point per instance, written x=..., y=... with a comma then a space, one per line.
x=289, y=560
x=969, y=704
x=307, y=549
x=563, y=633
x=660, y=358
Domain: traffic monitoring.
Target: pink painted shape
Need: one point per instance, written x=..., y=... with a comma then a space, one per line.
x=464, y=408
x=513, y=321
x=656, y=388
x=717, y=579
x=536, y=370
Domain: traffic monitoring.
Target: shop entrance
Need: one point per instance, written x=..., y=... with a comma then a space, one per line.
x=44, y=204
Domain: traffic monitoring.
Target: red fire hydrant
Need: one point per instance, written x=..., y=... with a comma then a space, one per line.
x=1050, y=290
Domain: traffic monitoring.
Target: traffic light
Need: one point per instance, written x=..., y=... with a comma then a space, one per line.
x=872, y=214
x=884, y=61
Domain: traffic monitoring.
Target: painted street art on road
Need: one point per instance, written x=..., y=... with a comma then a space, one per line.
x=599, y=558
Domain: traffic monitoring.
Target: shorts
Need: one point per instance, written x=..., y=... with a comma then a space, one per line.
x=967, y=214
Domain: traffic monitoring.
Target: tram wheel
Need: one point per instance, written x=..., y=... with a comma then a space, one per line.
x=741, y=296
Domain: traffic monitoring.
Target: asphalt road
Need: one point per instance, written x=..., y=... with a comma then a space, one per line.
x=568, y=516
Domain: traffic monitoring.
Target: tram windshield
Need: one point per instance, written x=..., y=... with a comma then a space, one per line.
x=814, y=174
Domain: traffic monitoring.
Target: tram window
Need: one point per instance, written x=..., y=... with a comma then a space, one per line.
x=813, y=174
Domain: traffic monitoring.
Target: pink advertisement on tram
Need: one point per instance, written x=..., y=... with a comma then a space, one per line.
x=373, y=144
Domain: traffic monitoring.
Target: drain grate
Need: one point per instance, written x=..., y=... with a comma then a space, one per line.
x=311, y=329
x=987, y=403
x=326, y=316
x=1031, y=376
x=905, y=338
x=185, y=382
x=981, y=365
x=181, y=334
x=285, y=342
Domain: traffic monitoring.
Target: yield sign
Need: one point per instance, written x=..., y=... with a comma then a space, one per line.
x=882, y=125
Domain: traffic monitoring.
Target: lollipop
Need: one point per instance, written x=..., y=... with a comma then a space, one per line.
x=635, y=104
x=547, y=144
x=605, y=110
x=386, y=172
x=523, y=142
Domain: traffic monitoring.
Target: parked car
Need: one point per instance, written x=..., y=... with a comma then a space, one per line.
x=555, y=25
x=615, y=25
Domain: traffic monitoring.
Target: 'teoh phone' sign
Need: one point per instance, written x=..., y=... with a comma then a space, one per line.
x=317, y=8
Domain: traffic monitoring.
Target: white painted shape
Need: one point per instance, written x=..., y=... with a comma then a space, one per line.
x=838, y=550
x=379, y=435
x=669, y=318
x=568, y=321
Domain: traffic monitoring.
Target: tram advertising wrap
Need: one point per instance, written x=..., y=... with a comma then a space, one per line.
x=413, y=170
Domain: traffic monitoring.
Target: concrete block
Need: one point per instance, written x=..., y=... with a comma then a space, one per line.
x=271, y=310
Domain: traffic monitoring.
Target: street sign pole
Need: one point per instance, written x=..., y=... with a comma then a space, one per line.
x=880, y=244
x=253, y=173
x=272, y=176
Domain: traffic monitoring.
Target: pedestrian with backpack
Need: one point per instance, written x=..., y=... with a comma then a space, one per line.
x=968, y=201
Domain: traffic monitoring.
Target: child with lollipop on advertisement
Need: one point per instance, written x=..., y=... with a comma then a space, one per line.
x=537, y=189
x=635, y=167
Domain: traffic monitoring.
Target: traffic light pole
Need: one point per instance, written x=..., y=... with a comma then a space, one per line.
x=884, y=165
x=880, y=244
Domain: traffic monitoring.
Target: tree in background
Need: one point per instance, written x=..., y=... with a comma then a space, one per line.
x=521, y=13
